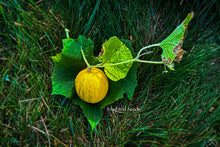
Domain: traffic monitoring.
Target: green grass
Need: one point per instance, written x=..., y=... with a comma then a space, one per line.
x=178, y=108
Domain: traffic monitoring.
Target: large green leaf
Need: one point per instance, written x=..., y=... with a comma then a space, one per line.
x=115, y=51
x=68, y=64
x=172, y=44
x=93, y=112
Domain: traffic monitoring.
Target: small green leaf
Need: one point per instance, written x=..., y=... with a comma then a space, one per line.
x=115, y=51
x=172, y=44
x=71, y=47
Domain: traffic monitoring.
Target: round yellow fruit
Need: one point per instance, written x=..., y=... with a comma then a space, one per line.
x=91, y=85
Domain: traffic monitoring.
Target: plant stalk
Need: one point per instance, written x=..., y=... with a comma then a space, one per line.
x=136, y=59
x=67, y=33
x=153, y=45
x=84, y=58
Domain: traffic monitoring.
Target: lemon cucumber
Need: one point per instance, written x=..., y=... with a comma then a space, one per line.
x=91, y=85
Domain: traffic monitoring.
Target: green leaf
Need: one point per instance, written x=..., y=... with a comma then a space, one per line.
x=172, y=44
x=71, y=47
x=68, y=64
x=128, y=43
x=64, y=73
x=115, y=51
x=119, y=88
x=93, y=112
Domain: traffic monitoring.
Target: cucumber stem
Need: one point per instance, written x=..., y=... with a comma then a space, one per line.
x=84, y=58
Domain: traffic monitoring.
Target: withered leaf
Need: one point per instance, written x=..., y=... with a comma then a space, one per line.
x=178, y=51
x=171, y=46
x=179, y=56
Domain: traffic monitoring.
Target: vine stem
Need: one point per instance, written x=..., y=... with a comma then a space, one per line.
x=152, y=62
x=136, y=59
x=153, y=45
x=113, y=64
x=133, y=60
